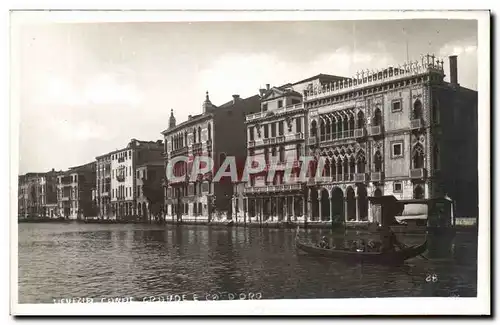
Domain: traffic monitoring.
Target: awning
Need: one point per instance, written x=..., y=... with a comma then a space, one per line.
x=417, y=211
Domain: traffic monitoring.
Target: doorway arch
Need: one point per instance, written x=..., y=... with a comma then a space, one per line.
x=363, y=202
x=351, y=203
x=338, y=204
x=325, y=205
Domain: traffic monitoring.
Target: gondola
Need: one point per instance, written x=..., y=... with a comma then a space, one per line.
x=396, y=257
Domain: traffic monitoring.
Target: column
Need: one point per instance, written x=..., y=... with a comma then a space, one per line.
x=345, y=209
x=320, y=213
x=370, y=216
x=245, y=208
x=309, y=206
x=285, y=208
x=261, y=209
x=294, y=214
x=331, y=206
x=357, y=208
x=304, y=207
x=255, y=211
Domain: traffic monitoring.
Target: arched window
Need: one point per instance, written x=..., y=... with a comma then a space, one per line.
x=351, y=124
x=361, y=120
x=418, y=156
x=273, y=152
x=417, y=110
x=185, y=138
x=377, y=117
x=199, y=133
x=209, y=131
x=299, y=151
x=326, y=169
x=339, y=167
x=322, y=130
x=377, y=161
x=282, y=154
x=314, y=128
x=352, y=167
x=334, y=128
x=360, y=162
x=418, y=192
x=328, y=128
x=194, y=135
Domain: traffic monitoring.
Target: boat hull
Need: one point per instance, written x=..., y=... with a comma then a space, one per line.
x=396, y=257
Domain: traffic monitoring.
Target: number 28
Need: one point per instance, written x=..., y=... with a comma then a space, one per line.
x=431, y=278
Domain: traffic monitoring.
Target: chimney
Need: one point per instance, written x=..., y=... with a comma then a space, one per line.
x=235, y=98
x=262, y=92
x=453, y=70
x=190, y=117
x=268, y=86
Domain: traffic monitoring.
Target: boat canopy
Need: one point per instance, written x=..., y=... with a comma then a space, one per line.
x=413, y=211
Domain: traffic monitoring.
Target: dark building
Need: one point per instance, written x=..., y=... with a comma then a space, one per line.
x=218, y=132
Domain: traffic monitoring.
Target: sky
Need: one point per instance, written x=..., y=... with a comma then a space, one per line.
x=86, y=89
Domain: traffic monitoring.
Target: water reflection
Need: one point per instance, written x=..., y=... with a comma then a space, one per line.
x=142, y=260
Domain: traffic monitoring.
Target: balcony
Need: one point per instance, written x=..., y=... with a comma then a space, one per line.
x=312, y=141
x=65, y=198
x=197, y=146
x=360, y=177
x=251, y=144
x=274, y=188
x=376, y=130
x=360, y=133
x=289, y=108
x=418, y=173
x=416, y=124
x=179, y=151
x=121, y=159
x=343, y=135
x=296, y=136
x=377, y=176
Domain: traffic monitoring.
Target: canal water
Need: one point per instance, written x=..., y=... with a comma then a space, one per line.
x=153, y=262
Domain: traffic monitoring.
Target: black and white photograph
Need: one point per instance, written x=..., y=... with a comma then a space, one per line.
x=237, y=163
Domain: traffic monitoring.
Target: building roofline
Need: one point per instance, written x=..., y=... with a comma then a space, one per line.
x=320, y=76
x=193, y=120
x=126, y=147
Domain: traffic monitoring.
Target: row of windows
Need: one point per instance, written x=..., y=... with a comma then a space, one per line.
x=121, y=192
x=270, y=129
x=418, y=191
x=122, y=155
x=280, y=151
x=181, y=140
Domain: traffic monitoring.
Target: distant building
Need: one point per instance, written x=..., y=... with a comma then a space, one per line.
x=74, y=192
x=149, y=181
x=217, y=132
x=123, y=182
x=102, y=194
x=37, y=194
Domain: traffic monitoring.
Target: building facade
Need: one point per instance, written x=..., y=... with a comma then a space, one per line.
x=217, y=133
x=149, y=183
x=37, y=194
x=74, y=192
x=277, y=134
x=102, y=194
x=400, y=131
x=123, y=182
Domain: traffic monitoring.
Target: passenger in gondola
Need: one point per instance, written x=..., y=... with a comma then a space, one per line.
x=389, y=240
x=324, y=243
x=361, y=246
